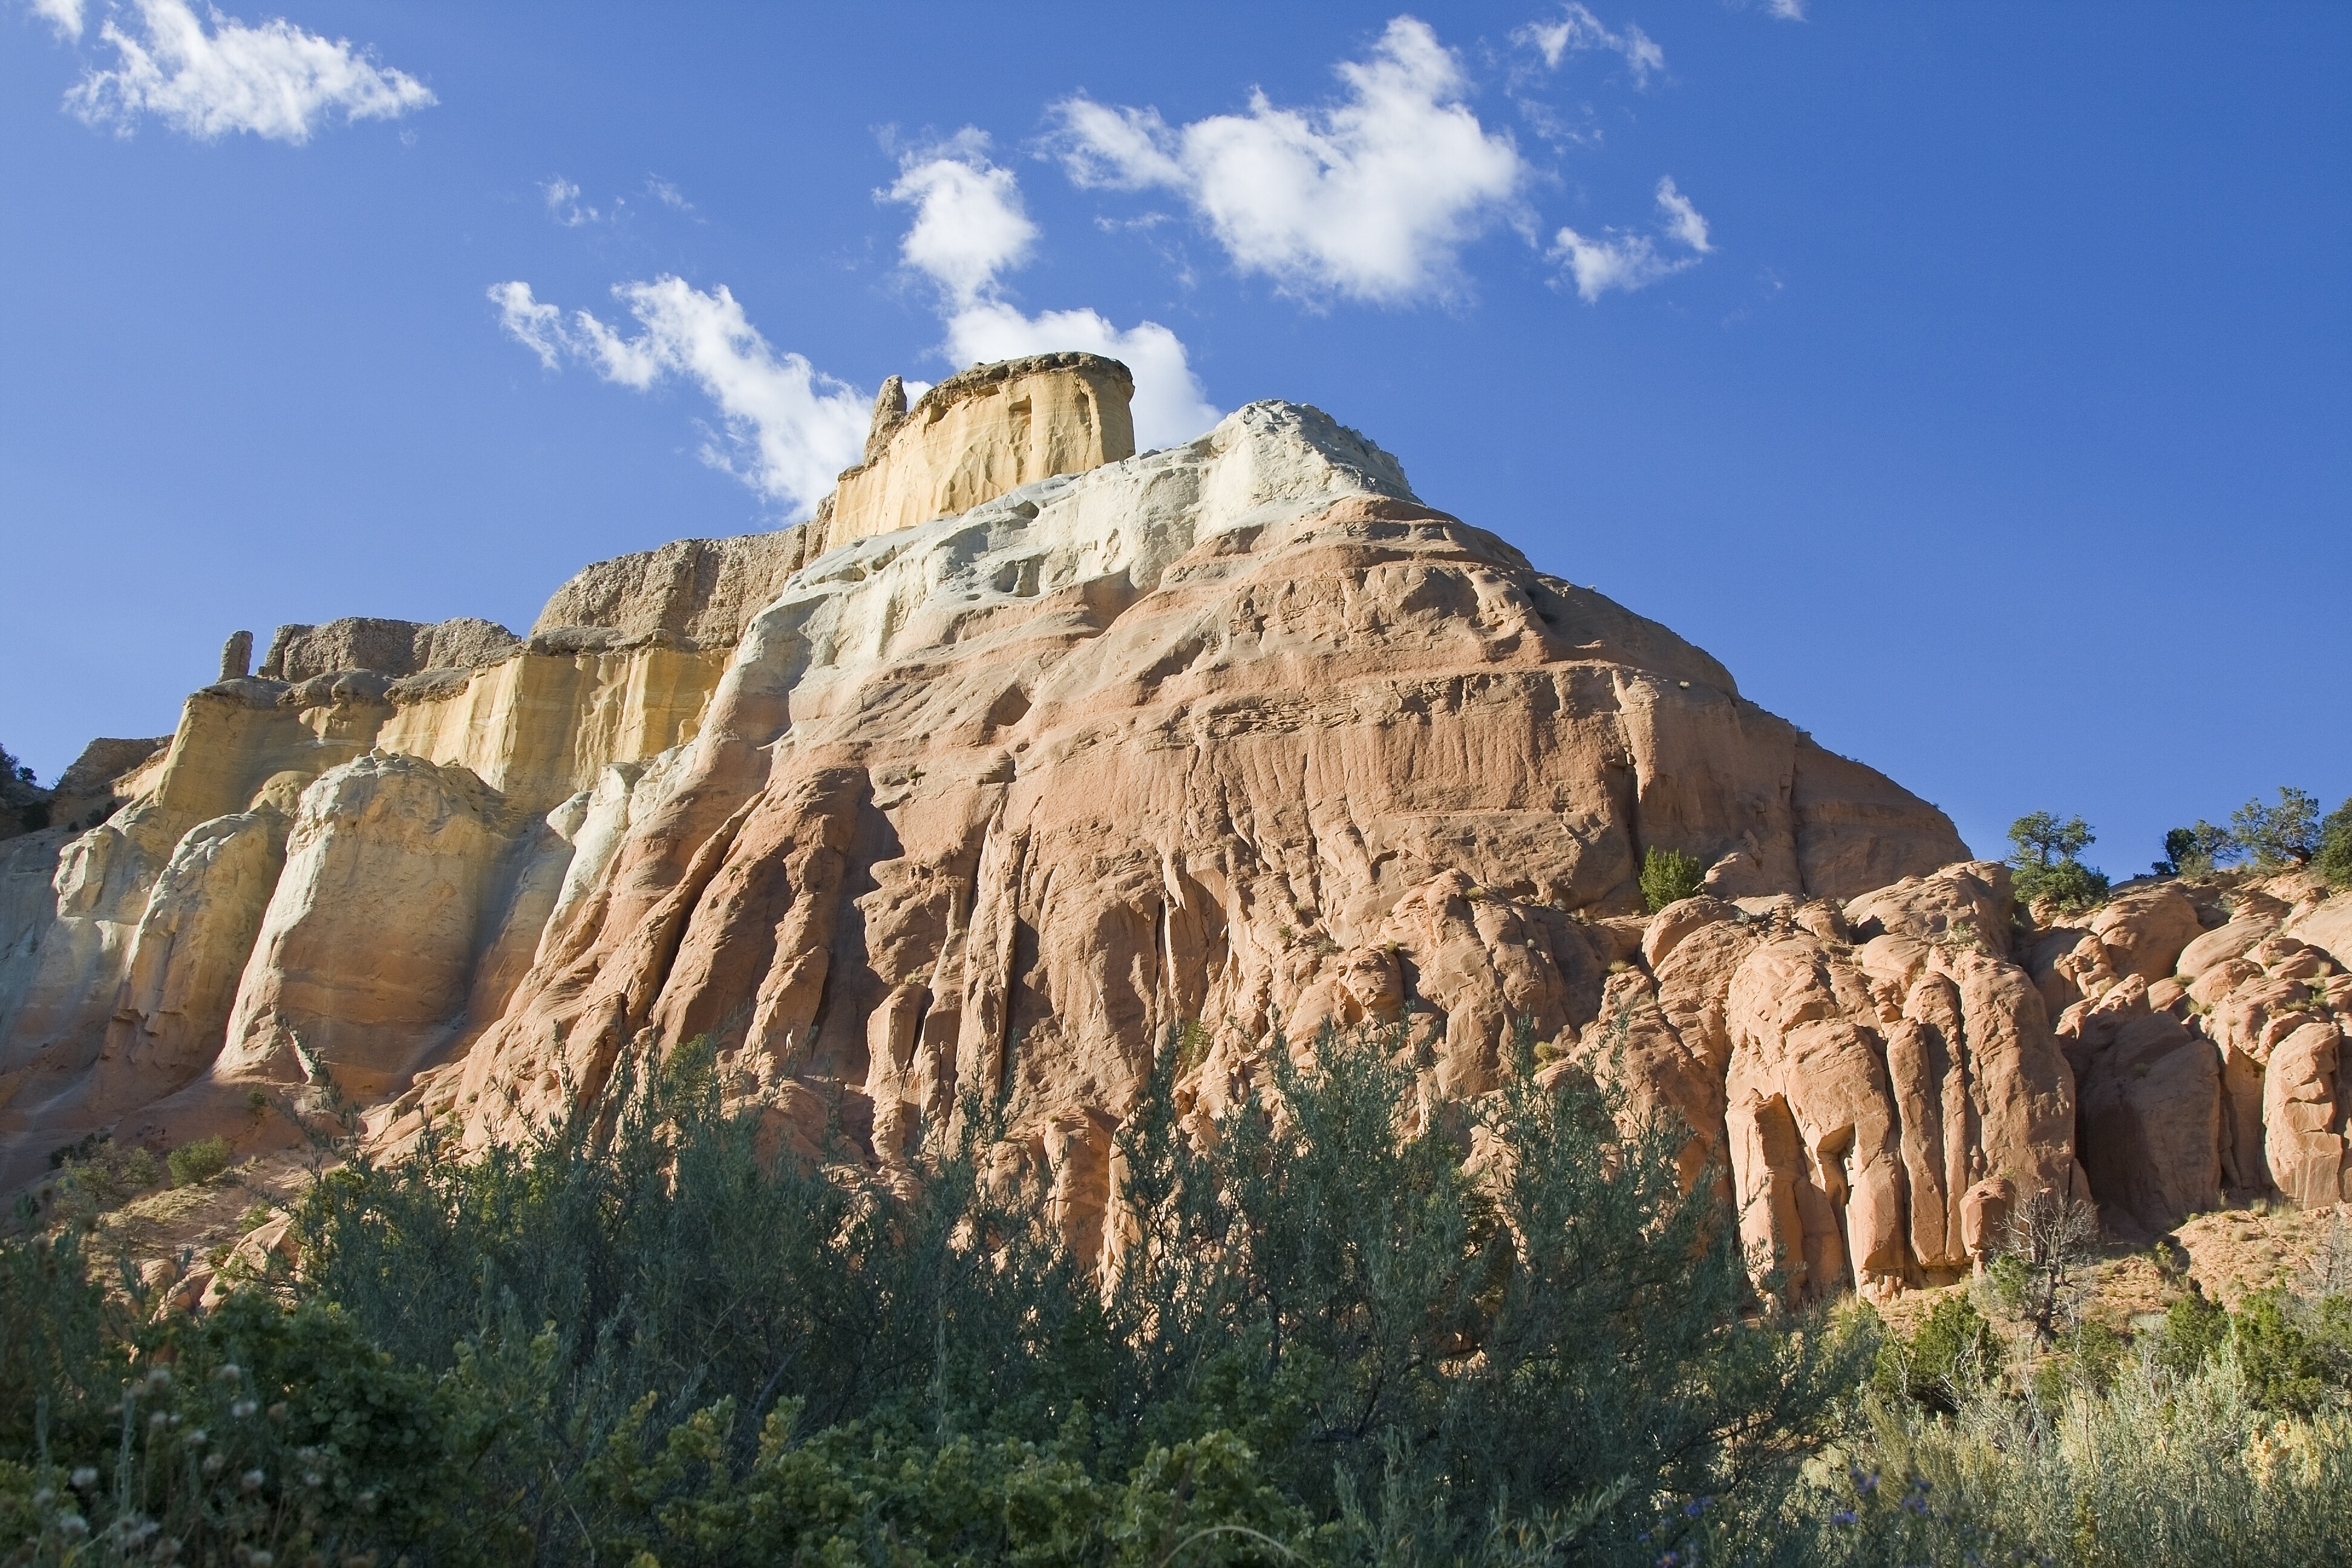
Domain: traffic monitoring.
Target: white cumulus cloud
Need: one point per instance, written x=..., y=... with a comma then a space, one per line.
x=1628, y=261
x=274, y=79
x=787, y=430
x=1370, y=197
x=970, y=228
x=1577, y=29
x=969, y=221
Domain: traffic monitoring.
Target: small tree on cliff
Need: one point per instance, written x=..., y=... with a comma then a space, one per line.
x=2044, y=861
x=1669, y=876
x=2287, y=833
x=2335, y=858
x=2196, y=851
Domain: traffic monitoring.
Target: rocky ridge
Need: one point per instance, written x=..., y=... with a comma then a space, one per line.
x=1028, y=751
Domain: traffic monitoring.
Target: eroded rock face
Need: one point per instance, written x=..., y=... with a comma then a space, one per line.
x=299, y=653
x=365, y=953
x=1241, y=732
x=696, y=592
x=978, y=435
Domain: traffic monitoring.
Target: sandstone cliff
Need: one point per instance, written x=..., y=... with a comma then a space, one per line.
x=1028, y=751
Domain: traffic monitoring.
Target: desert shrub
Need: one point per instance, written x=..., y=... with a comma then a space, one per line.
x=2195, y=1328
x=2155, y=1469
x=2286, y=834
x=1950, y=1352
x=2044, y=861
x=1669, y=876
x=193, y=1164
x=1326, y=1339
x=96, y=1175
x=62, y=1344
x=2039, y=1273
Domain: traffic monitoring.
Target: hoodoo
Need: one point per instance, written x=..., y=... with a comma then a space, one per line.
x=1029, y=750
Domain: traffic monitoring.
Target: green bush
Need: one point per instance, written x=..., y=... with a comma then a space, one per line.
x=1326, y=1340
x=2335, y=856
x=1950, y=1352
x=193, y=1164
x=1330, y=1336
x=2196, y=851
x=1669, y=876
x=2155, y=1471
x=95, y=1176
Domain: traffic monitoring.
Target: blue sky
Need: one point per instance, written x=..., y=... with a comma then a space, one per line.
x=1975, y=381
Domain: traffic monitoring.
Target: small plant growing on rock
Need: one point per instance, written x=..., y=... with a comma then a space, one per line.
x=1669, y=876
x=193, y=1164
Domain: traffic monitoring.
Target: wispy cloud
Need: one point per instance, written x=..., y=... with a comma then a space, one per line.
x=65, y=16
x=563, y=204
x=786, y=429
x=669, y=194
x=1577, y=29
x=275, y=80
x=969, y=228
x=1624, y=261
x=1683, y=220
x=1370, y=197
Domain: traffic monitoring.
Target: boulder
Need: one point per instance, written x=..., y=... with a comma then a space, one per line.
x=2328, y=927
x=2146, y=929
x=1969, y=902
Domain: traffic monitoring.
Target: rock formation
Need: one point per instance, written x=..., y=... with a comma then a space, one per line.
x=299, y=653
x=976, y=435
x=1028, y=751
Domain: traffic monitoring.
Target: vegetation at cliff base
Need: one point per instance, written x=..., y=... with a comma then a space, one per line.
x=1360, y=1323
x=1356, y=1326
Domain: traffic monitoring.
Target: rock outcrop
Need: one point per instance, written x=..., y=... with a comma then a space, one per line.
x=1028, y=752
x=2205, y=1022
x=978, y=435
x=697, y=593
x=300, y=653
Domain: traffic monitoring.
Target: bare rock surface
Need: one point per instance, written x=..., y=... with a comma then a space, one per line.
x=698, y=592
x=978, y=435
x=298, y=653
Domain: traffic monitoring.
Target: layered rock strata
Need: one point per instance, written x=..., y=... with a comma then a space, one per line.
x=976, y=435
